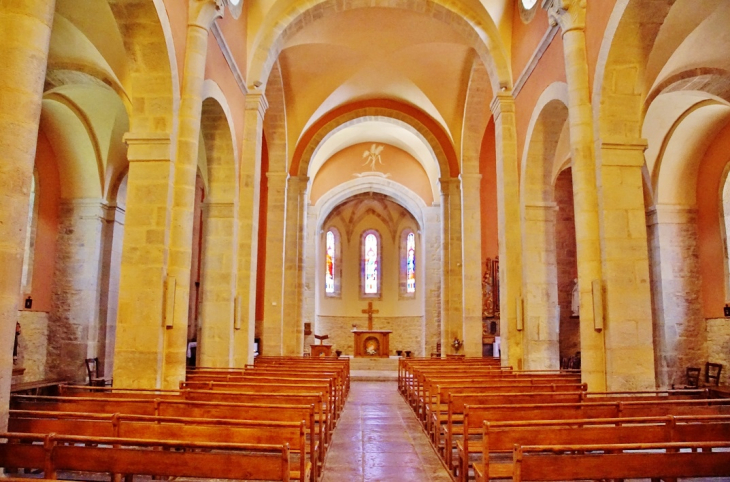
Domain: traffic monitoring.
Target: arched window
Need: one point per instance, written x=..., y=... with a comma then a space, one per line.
x=329, y=275
x=411, y=263
x=332, y=263
x=371, y=277
x=30, y=235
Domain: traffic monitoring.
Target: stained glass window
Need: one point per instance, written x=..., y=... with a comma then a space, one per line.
x=329, y=276
x=371, y=264
x=411, y=263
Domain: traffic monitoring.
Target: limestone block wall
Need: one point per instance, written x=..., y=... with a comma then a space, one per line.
x=32, y=345
x=408, y=332
x=718, y=346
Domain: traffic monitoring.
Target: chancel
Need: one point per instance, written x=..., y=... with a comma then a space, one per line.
x=362, y=210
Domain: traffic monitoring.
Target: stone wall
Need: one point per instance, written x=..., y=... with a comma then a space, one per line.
x=32, y=345
x=718, y=346
x=408, y=332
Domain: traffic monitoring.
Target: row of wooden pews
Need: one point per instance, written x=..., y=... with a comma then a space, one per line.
x=269, y=421
x=491, y=422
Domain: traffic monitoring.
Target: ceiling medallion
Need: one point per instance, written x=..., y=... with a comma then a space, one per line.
x=528, y=8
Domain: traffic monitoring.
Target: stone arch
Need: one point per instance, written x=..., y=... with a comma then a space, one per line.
x=479, y=31
x=476, y=117
x=218, y=275
x=275, y=128
x=424, y=126
x=540, y=279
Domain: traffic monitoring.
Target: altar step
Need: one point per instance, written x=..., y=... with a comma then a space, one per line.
x=374, y=369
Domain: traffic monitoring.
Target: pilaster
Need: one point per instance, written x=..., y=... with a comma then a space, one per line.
x=471, y=226
x=218, y=284
x=451, y=278
x=140, y=323
x=539, y=275
x=630, y=361
x=248, y=226
x=570, y=16
x=296, y=192
x=508, y=218
x=276, y=219
x=25, y=32
x=432, y=278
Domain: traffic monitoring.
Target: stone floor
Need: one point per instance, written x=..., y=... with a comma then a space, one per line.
x=378, y=439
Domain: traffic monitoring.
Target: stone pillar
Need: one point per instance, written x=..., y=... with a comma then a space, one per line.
x=25, y=32
x=542, y=321
x=218, y=284
x=680, y=329
x=309, y=278
x=140, y=315
x=248, y=227
x=570, y=16
x=471, y=252
x=201, y=15
x=112, y=234
x=508, y=218
x=451, y=278
x=629, y=333
x=276, y=219
x=431, y=266
x=73, y=330
x=293, y=327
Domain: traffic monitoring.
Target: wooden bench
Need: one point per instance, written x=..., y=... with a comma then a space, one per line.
x=619, y=461
x=40, y=387
x=53, y=453
x=501, y=437
x=475, y=415
x=173, y=428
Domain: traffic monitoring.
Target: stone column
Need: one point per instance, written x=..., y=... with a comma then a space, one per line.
x=680, y=328
x=276, y=219
x=451, y=278
x=201, y=15
x=25, y=32
x=73, y=330
x=248, y=227
x=471, y=225
x=570, y=16
x=432, y=278
x=293, y=327
x=140, y=315
x=508, y=218
x=309, y=278
x=540, y=276
x=629, y=332
x=113, y=232
x=218, y=284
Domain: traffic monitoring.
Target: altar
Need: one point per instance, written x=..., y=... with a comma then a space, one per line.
x=372, y=343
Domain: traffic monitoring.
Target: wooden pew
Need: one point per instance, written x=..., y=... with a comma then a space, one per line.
x=501, y=437
x=620, y=461
x=53, y=453
x=475, y=415
x=179, y=408
x=173, y=428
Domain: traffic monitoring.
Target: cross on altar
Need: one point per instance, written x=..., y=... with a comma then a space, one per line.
x=370, y=311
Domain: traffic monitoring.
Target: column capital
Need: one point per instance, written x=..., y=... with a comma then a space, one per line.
x=503, y=102
x=148, y=146
x=257, y=101
x=470, y=176
x=202, y=13
x=567, y=14
x=280, y=176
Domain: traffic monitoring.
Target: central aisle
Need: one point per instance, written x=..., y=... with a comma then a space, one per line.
x=379, y=439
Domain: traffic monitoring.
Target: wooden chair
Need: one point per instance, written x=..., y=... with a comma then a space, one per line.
x=693, y=378
x=437, y=353
x=94, y=371
x=712, y=373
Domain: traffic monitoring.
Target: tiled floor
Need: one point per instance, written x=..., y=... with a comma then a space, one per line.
x=379, y=439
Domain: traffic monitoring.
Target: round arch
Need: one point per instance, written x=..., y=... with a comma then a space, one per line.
x=480, y=31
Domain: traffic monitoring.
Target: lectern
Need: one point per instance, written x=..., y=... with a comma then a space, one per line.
x=321, y=349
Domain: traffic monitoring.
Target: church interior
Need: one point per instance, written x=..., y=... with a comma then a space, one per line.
x=193, y=188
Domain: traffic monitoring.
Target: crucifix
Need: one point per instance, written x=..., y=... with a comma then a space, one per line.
x=370, y=311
